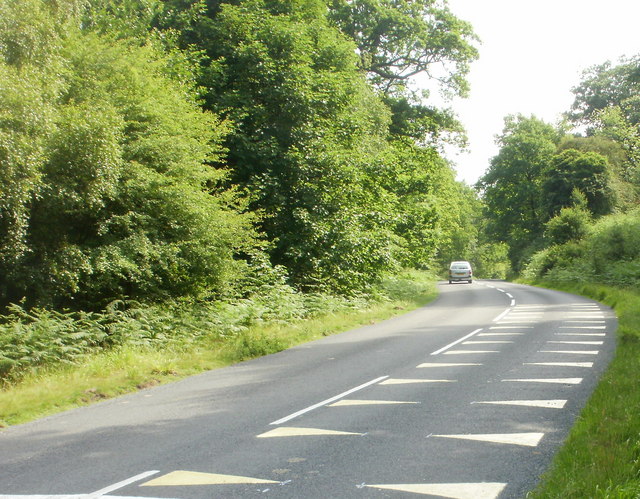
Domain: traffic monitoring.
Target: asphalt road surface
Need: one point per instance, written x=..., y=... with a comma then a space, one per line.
x=468, y=397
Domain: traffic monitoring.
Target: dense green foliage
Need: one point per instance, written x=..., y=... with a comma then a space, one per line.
x=106, y=192
x=37, y=339
x=545, y=185
x=152, y=150
x=566, y=205
x=213, y=152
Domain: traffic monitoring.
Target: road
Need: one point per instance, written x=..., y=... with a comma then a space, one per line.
x=468, y=397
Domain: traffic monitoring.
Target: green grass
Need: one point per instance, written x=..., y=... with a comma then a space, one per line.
x=601, y=457
x=106, y=374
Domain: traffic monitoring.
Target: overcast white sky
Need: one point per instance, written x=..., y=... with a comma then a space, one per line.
x=532, y=54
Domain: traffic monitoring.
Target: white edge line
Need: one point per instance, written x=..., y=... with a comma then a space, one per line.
x=119, y=485
x=456, y=342
x=328, y=401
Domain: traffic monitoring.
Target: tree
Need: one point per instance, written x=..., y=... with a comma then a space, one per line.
x=571, y=223
x=605, y=86
x=109, y=192
x=587, y=172
x=511, y=188
x=398, y=40
x=608, y=102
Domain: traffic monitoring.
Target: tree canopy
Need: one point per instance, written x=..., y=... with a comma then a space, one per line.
x=159, y=149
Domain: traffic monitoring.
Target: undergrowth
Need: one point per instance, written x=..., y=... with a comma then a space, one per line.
x=54, y=360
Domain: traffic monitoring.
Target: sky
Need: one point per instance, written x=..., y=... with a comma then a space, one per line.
x=532, y=53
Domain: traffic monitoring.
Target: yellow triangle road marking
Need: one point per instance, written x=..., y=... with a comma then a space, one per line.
x=526, y=439
x=291, y=431
x=347, y=402
x=486, y=490
x=182, y=478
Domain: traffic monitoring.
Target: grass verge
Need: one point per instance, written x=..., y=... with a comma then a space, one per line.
x=128, y=368
x=601, y=457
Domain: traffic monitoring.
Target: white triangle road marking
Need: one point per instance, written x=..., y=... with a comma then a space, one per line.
x=586, y=322
x=547, y=404
x=562, y=381
x=348, y=402
x=404, y=381
x=443, y=364
x=484, y=490
x=485, y=342
x=578, y=342
x=560, y=364
x=576, y=352
x=501, y=334
x=526, y=439
x=511, y=327
x=583, y=327
x=581, y=334
x=465, y=352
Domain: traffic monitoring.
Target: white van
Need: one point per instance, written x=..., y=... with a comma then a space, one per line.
x=460, y=271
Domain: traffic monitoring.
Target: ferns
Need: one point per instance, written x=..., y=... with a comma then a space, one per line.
x=38, y=338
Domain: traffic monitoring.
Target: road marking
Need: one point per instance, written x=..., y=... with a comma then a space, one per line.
x=124, y=483
x=547, y=404
x=516, y=321
x=181, y=478
x=484, y=490
x=583, y=327
x=563, y=381
x=501, y=334
x=511, y=327
x=530, y=315
x=352, y=402
x=486, y=342
x=588, y=322
x=581, y=334
x=464, y=352
x=577, y=352
x=102, y=493
x=499, y=317
x=405, y=381
x=578, y=342
x=328, y=401
x=444, y=364
x=456, y=342
x=292, y=431
x=525, y=439
x=560, y=364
